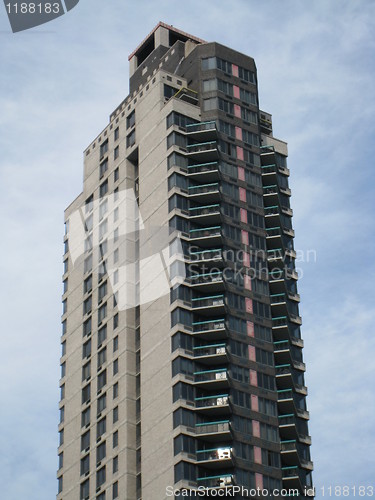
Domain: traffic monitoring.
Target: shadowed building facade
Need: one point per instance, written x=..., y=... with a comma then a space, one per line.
x=182, y=357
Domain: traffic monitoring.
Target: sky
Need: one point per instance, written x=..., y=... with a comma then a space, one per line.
x=59, y=83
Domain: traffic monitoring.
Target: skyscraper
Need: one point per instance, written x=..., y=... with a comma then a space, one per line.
x=181, y=346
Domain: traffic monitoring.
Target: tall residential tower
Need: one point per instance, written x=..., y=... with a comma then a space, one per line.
x=181, y=357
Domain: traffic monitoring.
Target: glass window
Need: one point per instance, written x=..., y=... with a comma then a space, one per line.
x=101, y=427
x=103, y=148
x=102, y=313
x=115, y=367
x=130, y=120
x=86, y=391
x=102, y=379
x=102, y=403
x=85, y=417
x=103, y=168
x=100, y=477
x=85, y=464
x=116, y=133
x=208, y=63
x=116, y=153
x=101, y=452
x=130, y=139
x=115, y=414
x=85, y=440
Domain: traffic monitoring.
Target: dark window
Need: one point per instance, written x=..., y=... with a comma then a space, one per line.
x=85, y=417
x=86, y=392
x=100, y=477
x=116, y=133
x=85, y=464
x=130, y=139
x=115, y=366
x=87, y=284
x=115, y=321
x=116, y=153
x=115, y=344
x=115, y=439
x=101, y=427
x=102, y=335
x=115, y=390
x=86, y=349
x=103, y=168
x=100, y=452
x=103, y=148
x=85, y=440
x=85, y=490
x=103, y=189
x=169, y=91
x=116, y=174
x=130, y=120
x=87, y=327
x=115, y=414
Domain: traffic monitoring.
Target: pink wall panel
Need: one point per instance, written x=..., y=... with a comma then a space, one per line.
x=253, y=378
x=239, y=133
x=258, y=480
x=252, y=355
x=234, y=70
x=247, y=282
x=257, y=455
x=250, y=328
x=242, y=194
x=249, y=305
x=243, y=212
x=244, y=237
x=254, y=403
x=256, y=428
x=237, y=111
x=246, y=261
x=240, y=153
x=236, y=91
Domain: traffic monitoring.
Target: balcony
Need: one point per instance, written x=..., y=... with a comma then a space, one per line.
x=206, y=235
x=292, y=455
x=216, y=482
x=213, y=303
x=208, y=192
x=292, y=427
x=213, y=405
x=203, y=131
x=207, y=282
x=275, y=169
x=286, y=379
x=286, y=352
x=213, y=256
x=187, y=95
x=215, y=458
x=208, y=379
x=211, y=354
x=208, y=171
x=213, y=431
x=209, y=213
x=204, y=151
x=214, y=329
x=287, y=402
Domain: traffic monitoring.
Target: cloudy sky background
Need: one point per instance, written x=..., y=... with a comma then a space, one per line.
x=58, y=85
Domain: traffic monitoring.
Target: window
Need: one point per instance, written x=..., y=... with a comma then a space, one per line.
x=102, y=379
x=85, y=440
x=130, y=139
x=65, y=285
x=66, y=266
x=116, y=133
x=116, y=174
x=130, y=120
x=116, y=153
x=85, y=464
x=61, y=437
x=101, y=496
x=62, y=392
x=175, y=118
x=87, y=266
x=103, y=228
x=102, y=335
x=103, y=148
x=100, y=477
x=103, y=189
x=66, y=246
x=209, y=85
x=102, y=403
x=86, y=371
x=101, y=427
x=63, y=369
x=86, y=349
x=102, y=291
x=248, y=97
x=65, y=306
x=61, y=460
x=102, y=313
x=115, y=439
x=89, y=203
x=169, y=91
x=85, y=417
x=103, y=209
x=115, y=414
x=87, y=284
x=115, y=235
x=209, y=63
x=102, y=357
x=115, y=366
x=59, y=484
x=115, y=490
x=115, y=321
x=87, y=305
x=225, y=66
x=101, y=452
x=85, y=490
x=115, y=343
x=86, y=391
x=87, y=327
x=115, y=465
x=103, y=168
x=62, y=414
x=115, y=390
x=63, y=348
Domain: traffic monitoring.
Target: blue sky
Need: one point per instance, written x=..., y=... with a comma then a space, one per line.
x=58, y=85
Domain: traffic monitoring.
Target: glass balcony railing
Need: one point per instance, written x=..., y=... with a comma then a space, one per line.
x=202, y=147
x=207, y=278
x=202, y=168
x=214, y=300
x=279, y=321
x=206, y=255
x=199, y=127
x=286, y=421
x=221, y=481
x=209, y=350
x=212, y=324
x=205, y=210
x=278, y=298
x=274, y=210
x=214, y=454
x=212, y=187
x=213, y=427
x=206, y=232
x=212, y=401
x=211, y=375
x=270, y=189
x=273, y=231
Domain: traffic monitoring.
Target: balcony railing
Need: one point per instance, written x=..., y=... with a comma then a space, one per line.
x=279, y=321
x=212, y=401
x=206, y=255
x=291, y=419
x=209, y=350
x=205, y=232
x=278, y=298
x=270, y=189
x=199, y=127
x=212, y=427
x=212, y=324
x=202, y=147
x=211, y=375
x=273, y=231
x=274, y=210
x=207, y=278
x=221, y=481
x=214, y=454
x=212, y=187
x=205, y=210
x=201, y=168
x=214, y=300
